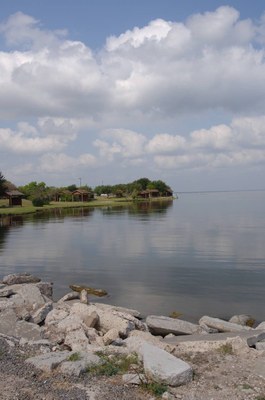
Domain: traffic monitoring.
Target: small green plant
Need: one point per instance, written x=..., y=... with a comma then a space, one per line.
x=114, y=364
x=157, y=389
x=226, y=349
x=74, y=357
x=246, y=386
x=262, y=397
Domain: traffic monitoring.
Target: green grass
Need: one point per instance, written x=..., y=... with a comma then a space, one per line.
x=113, y=365
x=225, y=349
x=156, y=389
x=28, y=208
x=74, y=357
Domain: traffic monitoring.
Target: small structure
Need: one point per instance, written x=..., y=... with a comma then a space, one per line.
x=14, y=197
x=149, y=193
x=82, y=195
x=169, y=192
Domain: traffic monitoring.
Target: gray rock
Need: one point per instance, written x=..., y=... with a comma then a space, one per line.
x=49, y=361
x=76, y=340
x=162, y=367
x=125, y=310
x=6, y=292
x=84, y=297
x=260, y=346
x=110, y=336
x=28, y=296
x=91, y=320
x=13, y=279
x=41, y=313
x=134, y=379
x=8, y=319
x=69, y=296
x=242, y=319
x=261, y=326
x=221, y=325
x=160, y=325
x=79, y=366
x=46, y=289
x=27, y=330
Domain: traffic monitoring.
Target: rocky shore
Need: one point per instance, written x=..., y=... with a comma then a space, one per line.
x=76, y=349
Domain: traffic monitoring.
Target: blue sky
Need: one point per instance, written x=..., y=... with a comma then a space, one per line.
x=112, y=91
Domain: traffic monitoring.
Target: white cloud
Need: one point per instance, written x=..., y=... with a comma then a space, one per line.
x=26, y=30
x=60, y=162
x=126, y=144
x=64, y=98
x=166, y=143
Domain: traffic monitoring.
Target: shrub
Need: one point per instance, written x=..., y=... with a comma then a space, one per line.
x=39, y=201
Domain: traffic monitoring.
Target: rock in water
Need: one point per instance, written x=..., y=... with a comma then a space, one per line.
x=89, y=290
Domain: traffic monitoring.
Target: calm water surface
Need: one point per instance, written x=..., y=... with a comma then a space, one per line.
x=201, y=254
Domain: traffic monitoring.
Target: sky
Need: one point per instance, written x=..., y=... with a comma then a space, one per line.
x=110, y=91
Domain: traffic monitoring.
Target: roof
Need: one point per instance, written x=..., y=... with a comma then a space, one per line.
x=13, y=193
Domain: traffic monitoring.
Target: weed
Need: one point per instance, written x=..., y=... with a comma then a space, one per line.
x=113, y=365
x=226, y=349
x=246, y=386
x=74, y=357
x=157, y=389
x=262, y=397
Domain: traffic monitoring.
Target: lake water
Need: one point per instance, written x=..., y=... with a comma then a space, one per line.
x=200, y=254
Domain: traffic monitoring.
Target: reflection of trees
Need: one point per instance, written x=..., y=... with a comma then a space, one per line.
x=60, y=213
x=6, y=222
x=146, y=208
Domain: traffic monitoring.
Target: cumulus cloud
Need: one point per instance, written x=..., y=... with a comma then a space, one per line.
x=66, y=99
x=126, y=143
x=45, y=136
x=61, y=162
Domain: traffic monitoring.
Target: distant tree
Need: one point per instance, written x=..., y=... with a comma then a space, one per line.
x=142, y=183
x=34, y=190
x=159, y=185
x=71, y=188
x=2, y=184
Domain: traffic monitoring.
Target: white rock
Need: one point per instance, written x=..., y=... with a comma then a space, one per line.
x=221, y=325
x=77, y=340
x=162, y=367
x=134, y=379
x=110, y=336
x=41, y=313
x=242, y=319
x=49, y=361
x=160, y=325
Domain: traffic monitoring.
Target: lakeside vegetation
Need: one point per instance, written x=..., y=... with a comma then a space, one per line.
x=38, y=197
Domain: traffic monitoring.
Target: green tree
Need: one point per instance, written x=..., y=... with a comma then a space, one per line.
x=2, y=184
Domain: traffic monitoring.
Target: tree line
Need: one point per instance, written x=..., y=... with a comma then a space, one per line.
x=39, y=193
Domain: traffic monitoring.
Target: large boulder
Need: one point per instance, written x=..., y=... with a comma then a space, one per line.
x=222, y=326
x=14, y=279
x=160, y=325
x=162, y=367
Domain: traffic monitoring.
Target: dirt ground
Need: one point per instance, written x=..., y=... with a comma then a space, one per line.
x=218, y=375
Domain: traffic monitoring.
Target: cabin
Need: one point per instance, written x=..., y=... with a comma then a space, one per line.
x=149, y=193
x=168, y=193
x=12, y=194
x=82, y=195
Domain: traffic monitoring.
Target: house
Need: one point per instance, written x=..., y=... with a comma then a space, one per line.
x=149, y=193
x=13, y=195
x=82, y=195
